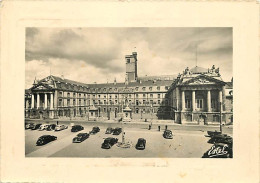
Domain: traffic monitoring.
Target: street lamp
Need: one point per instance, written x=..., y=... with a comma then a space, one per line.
x=220, y=120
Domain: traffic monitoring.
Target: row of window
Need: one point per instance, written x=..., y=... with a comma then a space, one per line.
x=199, y=103
x=99, y=102
x=80, y=88
x=110, y=96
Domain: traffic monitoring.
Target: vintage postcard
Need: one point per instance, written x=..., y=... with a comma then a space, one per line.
x=90, y=88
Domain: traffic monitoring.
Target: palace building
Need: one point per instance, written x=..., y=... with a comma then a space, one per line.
x=195, y=96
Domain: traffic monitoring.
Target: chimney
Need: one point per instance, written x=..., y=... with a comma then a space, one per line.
x=115, y=81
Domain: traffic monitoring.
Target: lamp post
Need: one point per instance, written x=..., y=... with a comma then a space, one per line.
x=220, y=119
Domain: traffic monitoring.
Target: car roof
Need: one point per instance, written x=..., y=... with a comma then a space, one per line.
x=108, y=138
x=141, y=139
x=82, y=133
x=45, y=135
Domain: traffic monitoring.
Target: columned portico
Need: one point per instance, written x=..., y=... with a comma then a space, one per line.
x=32, y=102
x=45, y=101
x=209, y=100
x=38, y=101
x=193, y=100
x=183, y=100
x=51, y=102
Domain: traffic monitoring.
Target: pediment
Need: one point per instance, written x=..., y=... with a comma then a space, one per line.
x=203, y=80
x=41, y=87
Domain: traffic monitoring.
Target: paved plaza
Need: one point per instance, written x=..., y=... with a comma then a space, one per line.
x=187, y=142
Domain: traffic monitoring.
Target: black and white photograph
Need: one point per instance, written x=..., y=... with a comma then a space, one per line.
x=129, y=92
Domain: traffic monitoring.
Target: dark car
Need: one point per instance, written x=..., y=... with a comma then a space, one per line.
x=167, y=134
x=212, y=133
x=77, y=128
x=221, y=138
x=36, y=127
x=117, y=131
x=29, y=125
x=140, y=144
x=94, y=130
x=219, y=150
x=45, y=139
x=51, y=127
x=80, y=137
x=109, y=130
x=109, y=142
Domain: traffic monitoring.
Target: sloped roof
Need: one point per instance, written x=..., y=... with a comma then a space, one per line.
x=68, y=81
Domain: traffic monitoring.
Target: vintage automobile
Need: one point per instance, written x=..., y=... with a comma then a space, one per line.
x=45, y=139
x=140, y=144
x=109, y=142
x=43, y=127
x=221, y=138
x=60, y=127
x=51, y=127
x=219, y=150
x=167, y=134
x=109, y=130
x=77, y=128
x=117, y=131
x=212, y=133
x=29, y=125
x=36, y=127
x=80, y=137
x=94, y=130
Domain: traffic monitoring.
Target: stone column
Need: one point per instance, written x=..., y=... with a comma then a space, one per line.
x=38, y=100
x=45, y=100
x=51, y=102
x=220, y=100
x=32, y=101
x=177, y=99
x=193, y=100
x=209, y=100
x=183, y=100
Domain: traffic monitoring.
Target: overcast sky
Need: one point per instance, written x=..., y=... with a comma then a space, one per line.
x=97, y=54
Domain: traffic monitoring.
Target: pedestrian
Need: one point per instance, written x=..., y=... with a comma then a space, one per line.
x=149, y=128
x=166, y=127
x=159, y=128
x=57, y=122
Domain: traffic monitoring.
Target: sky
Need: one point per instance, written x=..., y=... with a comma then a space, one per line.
x=91, y=55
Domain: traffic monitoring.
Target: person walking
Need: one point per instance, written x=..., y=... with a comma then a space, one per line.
x=166, y=127
x=159, y=128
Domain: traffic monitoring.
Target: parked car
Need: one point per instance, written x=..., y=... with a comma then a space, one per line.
x=37, y=126
x=140, y=144
x=221, y=138
x=77, y=128
x=45, y=139
x=109, y=142
x=29, y=125
x=94, y=130
x=60, y=127
x=43, y=127
x=51, y=127
x=219, y=150
x=212, y=133
x=80, y=137
x=117, y=131
x=109, y=130
x=167, y=134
